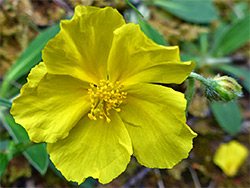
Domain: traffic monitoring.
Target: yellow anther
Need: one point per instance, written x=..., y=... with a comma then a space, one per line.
x=104, y=97
x=108, y=120
x=91, y=116
x=117, y=109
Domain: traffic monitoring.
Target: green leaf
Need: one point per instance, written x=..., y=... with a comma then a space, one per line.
x=232, y=37
x=36, y=154
x=3, y=163
x=219, y=32
x=228, y=116
x=38, y=157
x=191, y=48
x=151, y=32
x=11, y=150
x=14, y=90
x=197, y=11
x=204, y=43
x=29, y=58
x=133, y=7
x=5, y=102
x=242, y=74
x=240, y=10
x=4, y=144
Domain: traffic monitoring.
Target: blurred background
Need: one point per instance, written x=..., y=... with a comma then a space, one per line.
x=215, y=34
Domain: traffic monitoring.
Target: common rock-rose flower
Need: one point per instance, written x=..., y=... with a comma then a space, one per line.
x=95, y=102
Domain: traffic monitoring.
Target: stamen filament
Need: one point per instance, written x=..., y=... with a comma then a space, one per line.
x=105, y=97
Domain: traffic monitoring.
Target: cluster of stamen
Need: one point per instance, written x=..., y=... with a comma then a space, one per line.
x=104, y=97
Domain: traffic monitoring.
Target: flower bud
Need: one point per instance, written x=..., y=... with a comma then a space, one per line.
x=224, y=88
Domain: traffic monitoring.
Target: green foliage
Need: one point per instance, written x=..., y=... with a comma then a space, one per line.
x=3, y=163
x=151, y=32
x=196, y=11
x=228, y=115
x=29, y=58
x=133, y=7
x=5, y=102
x=231, y=37
x=204, y=44
x=36, y=154
x=241, y=10
x=210, y=56
x=4, y=144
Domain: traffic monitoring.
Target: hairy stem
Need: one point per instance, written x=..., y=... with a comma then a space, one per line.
x=190, y=91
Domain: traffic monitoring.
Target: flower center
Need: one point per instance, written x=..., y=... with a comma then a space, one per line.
x=104, y=97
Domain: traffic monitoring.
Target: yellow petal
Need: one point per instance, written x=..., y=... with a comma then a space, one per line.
x=134, y=58
x=155, y=119
x=230, y=156
x=50, y=105
x=93, y=148
x=82, y=46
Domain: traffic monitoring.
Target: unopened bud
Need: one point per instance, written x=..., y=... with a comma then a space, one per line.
x=224, y=88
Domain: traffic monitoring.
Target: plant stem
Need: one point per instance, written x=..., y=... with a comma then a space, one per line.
x=210, y=61
x=213, y=61
x=205, y=81
x=191, y=86
x=194, y=177
x=190, y=91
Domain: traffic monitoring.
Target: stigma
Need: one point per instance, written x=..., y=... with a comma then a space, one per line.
x=105, y=97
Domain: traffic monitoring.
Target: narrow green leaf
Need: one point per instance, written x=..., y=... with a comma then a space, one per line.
x=4, y=144
x=3, y=163
x=29, y=58
x=11, y=150
x=14, y=89
x=232, y=38
x=220, y=31
x=203, y=39
x=21, y=147
x=5, y=102
x=240, y=10
x=217, y=35
x=133, y=7
x=242, y=74
x=228, y=116
x=151, y=32
x=36, y=154
x=38, y=157
x=197, y=11
x=191, y=48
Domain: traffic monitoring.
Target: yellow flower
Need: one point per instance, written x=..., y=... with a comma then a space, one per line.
x=93, y=100
x=230, y=156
